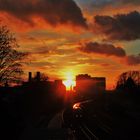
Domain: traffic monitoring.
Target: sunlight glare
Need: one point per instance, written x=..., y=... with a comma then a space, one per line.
x=69, y=81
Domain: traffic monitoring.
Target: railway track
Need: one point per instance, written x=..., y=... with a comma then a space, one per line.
x=88, y=133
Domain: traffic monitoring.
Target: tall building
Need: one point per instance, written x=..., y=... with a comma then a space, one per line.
x=60, y=87
x=85, y=84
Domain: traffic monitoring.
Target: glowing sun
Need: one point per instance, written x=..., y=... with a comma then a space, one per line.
x=69, y=81
x=70, y=84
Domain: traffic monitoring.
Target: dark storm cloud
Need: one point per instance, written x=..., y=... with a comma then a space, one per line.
x=131, y=1
x=133, y=59
x=92, y=5
x=103, y=49
x=121, y=26
x=109, y=50
x=53, y=12
x=115, y=2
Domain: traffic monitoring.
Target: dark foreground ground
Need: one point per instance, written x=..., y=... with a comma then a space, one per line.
x=111, y=116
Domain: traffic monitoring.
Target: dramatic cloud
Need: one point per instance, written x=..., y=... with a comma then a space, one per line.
x=120, y=27
x=133, y=59
x=54, y=12
x=103, y=3
x=94, y=5
x=104, y=49
x=130, y=1
x=110, y=50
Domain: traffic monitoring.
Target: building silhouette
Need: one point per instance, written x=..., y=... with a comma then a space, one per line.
x=87, y=85
x=55, y=87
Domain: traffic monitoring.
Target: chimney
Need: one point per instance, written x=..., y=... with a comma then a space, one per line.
x=38, y=76
x=30, y=77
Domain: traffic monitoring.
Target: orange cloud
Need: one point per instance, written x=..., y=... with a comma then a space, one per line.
x=54, y=13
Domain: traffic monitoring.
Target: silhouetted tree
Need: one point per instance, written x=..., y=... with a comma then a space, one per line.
x=130, y=79
x=10, y=58
x=44, y=77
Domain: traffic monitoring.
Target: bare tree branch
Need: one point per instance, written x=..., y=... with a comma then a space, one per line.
x=123, y=78
x=10, y=58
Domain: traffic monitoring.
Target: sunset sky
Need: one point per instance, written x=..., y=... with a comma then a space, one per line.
x=70, y=37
